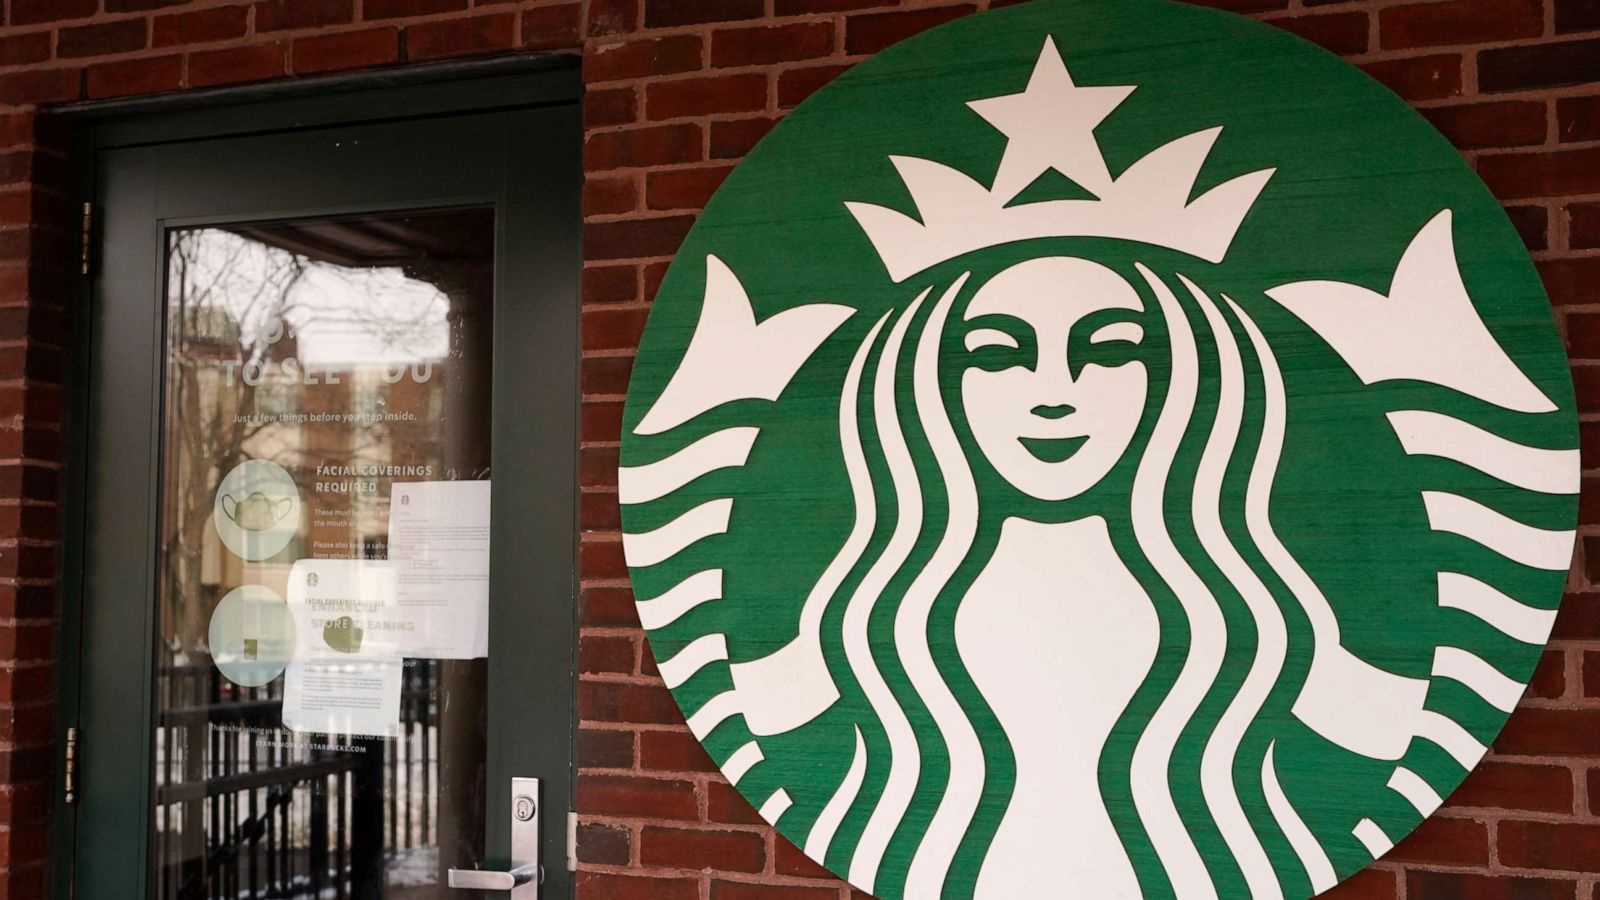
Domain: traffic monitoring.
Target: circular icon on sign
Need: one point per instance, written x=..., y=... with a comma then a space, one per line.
x=257, y=509
x=251, y=635
x=1101, y=417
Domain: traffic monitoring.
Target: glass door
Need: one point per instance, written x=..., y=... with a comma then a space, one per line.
x=327, y=595
x=323, y=572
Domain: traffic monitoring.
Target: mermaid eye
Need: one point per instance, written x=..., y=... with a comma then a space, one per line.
x=1118, y=331
x=980, y=338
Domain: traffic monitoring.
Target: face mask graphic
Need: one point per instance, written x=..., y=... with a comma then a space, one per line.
x=256, y=512
x=343, y=635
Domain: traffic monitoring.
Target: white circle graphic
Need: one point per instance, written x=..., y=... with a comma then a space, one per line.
x=251, y=635
x=256, y=509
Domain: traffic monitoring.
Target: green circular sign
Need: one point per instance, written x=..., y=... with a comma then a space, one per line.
x=1099, y=443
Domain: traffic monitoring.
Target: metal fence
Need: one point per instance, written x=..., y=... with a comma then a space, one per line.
x=246, y=809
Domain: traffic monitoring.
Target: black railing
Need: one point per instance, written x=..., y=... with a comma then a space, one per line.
x=244, y=808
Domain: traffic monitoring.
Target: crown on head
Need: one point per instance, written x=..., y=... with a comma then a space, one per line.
x=1050, y=125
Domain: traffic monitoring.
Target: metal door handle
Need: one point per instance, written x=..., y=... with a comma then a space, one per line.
x=490, y=880
x=522, y=880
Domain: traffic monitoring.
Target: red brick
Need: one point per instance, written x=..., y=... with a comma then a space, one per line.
x=1367, y=884
x=795, y=85
x=1474, y=126
x=1583, y=226
x=27, y=601
x=278, y=15
x=346, y=50
x=667, y=13
x=394, y=9
x=606, y=374
x=598, y=510
x=610, y=106
x=871, y=32
x=705, y=96
x=1546, y=174
x=682, y=848
x=237, y=64
x=1459, y=22
x=1589, y=449
x=1344, y=33
x=1419, y=77
x=806, y=7
x=612, y=329
x=651, y=146
x=1576, y=15
x=606, y=655
x=1445, y=841
x=1422, y=885
x=1591, y=673
x=788, y=860
x=1532, y=224
x=616, y=60
x=1573, y=280
x=26, y=803
x=104, y=39
x=637, y=704
x=612, y=16
x=1550, y=677
x=609, y=284
x=739, y=890
x=1565, y=846
x=769, y=44
x=601, y=420
x=1578, y=118
x=733, y=138
x=552, y=27
x=461, y=37
x=632, y=239
x=219, y=24
x=636, y=797
x=603, y=845
x=598, y=608
x=609, y=196
x=1539, y=65
x=1593, y=777
x=141, y=5
x=1587, y=381
x=20, y=845
x=1550, y=732
x=597, y=466
x=135, y=76
x=26, y=87
x=673, y=751
x=683, y=188
x=21, y=49
x=31, y=12
x=724, y=804
x=602, y=886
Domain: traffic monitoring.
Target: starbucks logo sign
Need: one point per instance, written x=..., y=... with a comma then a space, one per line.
x=1107, y=445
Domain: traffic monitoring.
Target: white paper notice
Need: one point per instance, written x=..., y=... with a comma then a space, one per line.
x=347, y=668
x=439, y=548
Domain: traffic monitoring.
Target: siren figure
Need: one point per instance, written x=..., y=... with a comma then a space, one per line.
x=1061, y=452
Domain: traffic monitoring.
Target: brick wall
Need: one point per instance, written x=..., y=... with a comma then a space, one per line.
x=678, y=91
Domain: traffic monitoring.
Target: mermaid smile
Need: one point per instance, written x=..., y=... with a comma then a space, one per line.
x=1053, y=450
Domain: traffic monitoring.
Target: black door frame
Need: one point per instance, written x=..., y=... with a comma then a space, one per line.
x=549, y=222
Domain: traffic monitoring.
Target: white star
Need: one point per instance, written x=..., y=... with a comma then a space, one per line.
x=1051, y=126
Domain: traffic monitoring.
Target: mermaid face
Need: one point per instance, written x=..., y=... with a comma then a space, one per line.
x=1052, y=391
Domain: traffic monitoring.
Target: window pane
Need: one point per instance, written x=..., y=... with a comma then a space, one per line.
x=320, y=708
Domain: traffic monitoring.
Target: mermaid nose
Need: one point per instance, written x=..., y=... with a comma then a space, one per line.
x=1054, y=411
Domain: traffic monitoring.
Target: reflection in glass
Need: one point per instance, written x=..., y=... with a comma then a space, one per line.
x=318, y=734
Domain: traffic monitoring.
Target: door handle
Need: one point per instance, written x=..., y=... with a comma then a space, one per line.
x=491, y=880
x=523, y=878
